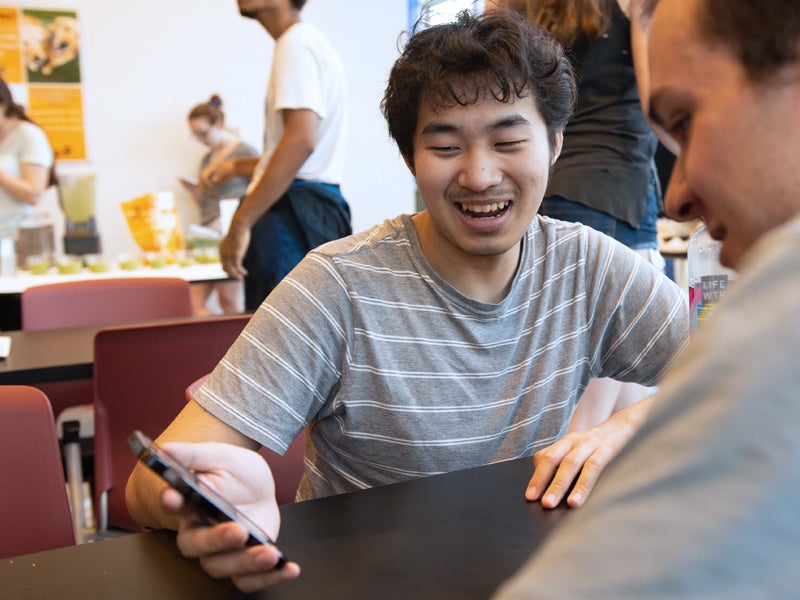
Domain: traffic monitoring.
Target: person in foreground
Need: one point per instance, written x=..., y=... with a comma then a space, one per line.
x=460, y=336
x=701, y=503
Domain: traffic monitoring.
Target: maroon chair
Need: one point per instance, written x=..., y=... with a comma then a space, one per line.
x=34, y=510
x=287, y=469
x=141, y=373
x=105, y=301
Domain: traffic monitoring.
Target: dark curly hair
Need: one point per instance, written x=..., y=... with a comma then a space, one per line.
x=497, y=54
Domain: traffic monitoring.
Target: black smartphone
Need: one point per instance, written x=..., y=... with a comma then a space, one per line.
x=206, y=502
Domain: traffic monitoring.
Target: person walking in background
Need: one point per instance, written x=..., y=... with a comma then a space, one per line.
x=26, y=162
x=294, y=202
x=605, y=177
x=207, y=123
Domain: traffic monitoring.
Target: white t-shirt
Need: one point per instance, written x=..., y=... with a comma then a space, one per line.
x=26, y=143
x=307, y=73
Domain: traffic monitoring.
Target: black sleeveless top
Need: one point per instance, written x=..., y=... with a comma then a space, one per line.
x=607, y=158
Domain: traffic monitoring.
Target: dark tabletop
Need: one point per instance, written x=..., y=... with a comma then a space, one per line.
x=49, y=355
x=455, y=536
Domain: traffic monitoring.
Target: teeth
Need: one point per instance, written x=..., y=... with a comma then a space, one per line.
x=483, y=208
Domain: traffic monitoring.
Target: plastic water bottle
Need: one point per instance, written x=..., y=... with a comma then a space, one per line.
x=708, y=279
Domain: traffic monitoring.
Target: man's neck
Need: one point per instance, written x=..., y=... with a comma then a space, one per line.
x=482, y=278
x=277, y=21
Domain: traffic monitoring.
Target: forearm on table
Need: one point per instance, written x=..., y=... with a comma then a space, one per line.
x=636, y=414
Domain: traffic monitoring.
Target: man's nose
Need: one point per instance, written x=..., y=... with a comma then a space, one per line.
x=680, y=202
x=478, y=171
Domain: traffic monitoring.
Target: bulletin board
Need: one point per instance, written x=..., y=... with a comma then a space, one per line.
x=40, y=60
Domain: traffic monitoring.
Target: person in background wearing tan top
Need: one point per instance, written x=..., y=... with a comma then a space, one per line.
x=207, y=123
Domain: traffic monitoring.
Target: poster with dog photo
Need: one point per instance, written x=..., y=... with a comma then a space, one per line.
x=39, y=59
x=50, y=46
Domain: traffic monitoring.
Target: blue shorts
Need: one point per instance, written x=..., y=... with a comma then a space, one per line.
x=307, y=215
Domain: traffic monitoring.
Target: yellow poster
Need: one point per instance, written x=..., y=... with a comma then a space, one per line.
x=39, y=54
x=59, y=111
x=10, y=46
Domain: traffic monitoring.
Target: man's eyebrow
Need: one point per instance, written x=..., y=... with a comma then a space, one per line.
x=502, y=123
x=509, y=121
x=438, y=127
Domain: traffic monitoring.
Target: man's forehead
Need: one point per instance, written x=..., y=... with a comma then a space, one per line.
x=488, y=113
x=673, y=20
x=673, y=39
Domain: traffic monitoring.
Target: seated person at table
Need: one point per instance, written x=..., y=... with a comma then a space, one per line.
x=459, y=336
x=701, y=504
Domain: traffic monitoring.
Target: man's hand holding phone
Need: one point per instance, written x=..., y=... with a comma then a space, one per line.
x=241, y=548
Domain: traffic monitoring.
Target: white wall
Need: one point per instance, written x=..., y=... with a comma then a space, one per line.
x=145, y=64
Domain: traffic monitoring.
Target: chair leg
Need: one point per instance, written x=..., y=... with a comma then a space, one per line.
x=102, y=513
x=74, y=472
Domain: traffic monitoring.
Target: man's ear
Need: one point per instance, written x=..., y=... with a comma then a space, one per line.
x=558, y=143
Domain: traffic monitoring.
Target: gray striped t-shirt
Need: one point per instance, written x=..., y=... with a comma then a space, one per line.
x=398, y=375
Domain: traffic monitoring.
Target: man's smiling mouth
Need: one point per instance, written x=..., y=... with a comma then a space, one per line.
x=483, y=211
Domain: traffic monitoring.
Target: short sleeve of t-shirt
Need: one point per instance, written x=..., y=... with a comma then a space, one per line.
x=298, y=76
x=35, y=148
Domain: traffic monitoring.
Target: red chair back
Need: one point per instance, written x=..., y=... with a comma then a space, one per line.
x=99, y=302
x=141, y=373
x=34, y=510
x=104, y=302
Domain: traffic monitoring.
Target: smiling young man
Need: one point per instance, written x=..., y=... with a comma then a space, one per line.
x=483, y=171
x=701, y=504
x=457, y=337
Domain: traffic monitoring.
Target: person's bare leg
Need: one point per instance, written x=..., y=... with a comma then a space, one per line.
x=230, y=295
x=200, y=293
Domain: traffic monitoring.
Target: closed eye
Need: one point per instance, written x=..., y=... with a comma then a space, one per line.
x=509, y=145
x=444, y=149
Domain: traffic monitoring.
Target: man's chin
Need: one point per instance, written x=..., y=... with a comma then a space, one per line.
x=250, y=14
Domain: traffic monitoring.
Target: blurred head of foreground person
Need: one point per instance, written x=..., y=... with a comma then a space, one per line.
x=725, y=84
x=698, y=503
